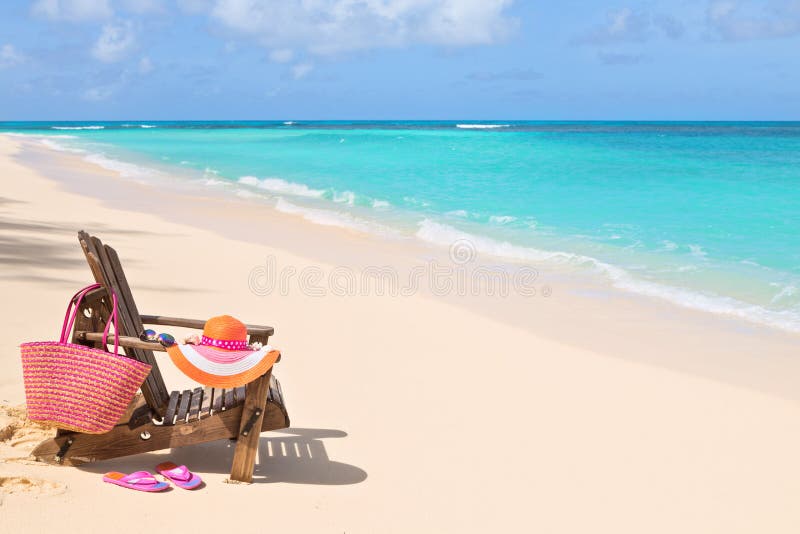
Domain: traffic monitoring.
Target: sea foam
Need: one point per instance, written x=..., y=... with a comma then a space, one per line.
x=277, y=185
x=335, y=218
x=78, y=127
x=123, y=168
x=458, y=213
x=481, y=126
x=501, y=219
x=442, y=234
x=345, y=197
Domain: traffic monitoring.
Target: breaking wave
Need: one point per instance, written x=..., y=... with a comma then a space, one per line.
x=481, y=126
x=442, y=234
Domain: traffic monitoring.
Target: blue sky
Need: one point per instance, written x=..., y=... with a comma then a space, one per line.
x=399, y=59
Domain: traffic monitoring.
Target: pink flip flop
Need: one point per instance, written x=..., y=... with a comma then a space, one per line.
x=179, y=475
x=139, y=481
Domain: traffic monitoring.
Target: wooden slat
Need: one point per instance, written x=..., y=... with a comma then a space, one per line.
x=124, y=441
x=199, y=324
x=135, y=323
x=94, y=301
x=183, y=407
x=275, y=391
x=239, y=394
x=274, y=418
x=205, y=406
x=229, y=400
x=244, y=457
x=169, y=415
x=194, y=406
x=86, y=244
x=219, y=394
x=124, y=341
x=153, y=389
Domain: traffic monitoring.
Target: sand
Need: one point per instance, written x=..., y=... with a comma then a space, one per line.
x=587, y=411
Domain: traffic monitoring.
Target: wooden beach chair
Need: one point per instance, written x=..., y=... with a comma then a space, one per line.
x=159, y=419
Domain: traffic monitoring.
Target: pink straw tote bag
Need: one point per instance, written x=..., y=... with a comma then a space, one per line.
x=75, y=387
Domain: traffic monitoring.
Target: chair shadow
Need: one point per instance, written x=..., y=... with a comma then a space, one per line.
x=291, y=455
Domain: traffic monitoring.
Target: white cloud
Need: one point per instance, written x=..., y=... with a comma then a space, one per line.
x=737, y=21
x=96, y=94
x=281, y=55
x=626, y=25
x=621, y=25
x=332, y=26
x=10, y=56
x=144, y=6
x=619, y=58
x=114, y=42
x=526, y=74
x=672, y=27
x=145, y=65
x=301, y=70
x=195, y=6
x=719, y=10
x=74, y=10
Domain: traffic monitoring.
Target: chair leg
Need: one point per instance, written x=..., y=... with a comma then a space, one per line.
x=244, y=457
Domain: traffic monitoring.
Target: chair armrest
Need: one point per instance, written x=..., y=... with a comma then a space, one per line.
x=124, y=341
x=198, y=324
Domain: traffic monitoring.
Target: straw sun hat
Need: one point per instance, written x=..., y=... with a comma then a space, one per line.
x=222, y=358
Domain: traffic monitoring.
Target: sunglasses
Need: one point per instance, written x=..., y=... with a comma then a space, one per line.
x=166, y=340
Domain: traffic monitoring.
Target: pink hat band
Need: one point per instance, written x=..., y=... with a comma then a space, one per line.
x=223, y=343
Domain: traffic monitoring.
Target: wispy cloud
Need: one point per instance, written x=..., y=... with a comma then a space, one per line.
x=525, y=74
x=97, y=94
x=626, y=25
x=335, y=26
x=144, y=6
x=145, y=65
x=195, y=6
x=669, y=25
x=114, y=43
x=737, y=21
x=301, y=70
x=281, y=55
x=10, y=56
x=73, y=10
x=619, y=58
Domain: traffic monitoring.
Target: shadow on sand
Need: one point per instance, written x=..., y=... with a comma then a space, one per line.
x=292, y=455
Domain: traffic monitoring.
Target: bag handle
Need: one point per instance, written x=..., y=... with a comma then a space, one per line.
x=72, y=313
x=69, y=316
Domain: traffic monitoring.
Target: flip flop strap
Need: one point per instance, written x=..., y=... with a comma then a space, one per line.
x=179, y=473
x=139, y=477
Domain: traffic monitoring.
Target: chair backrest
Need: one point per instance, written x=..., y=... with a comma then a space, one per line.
x=107, y=270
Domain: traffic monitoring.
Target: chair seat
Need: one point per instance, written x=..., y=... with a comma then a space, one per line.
x=190, y=405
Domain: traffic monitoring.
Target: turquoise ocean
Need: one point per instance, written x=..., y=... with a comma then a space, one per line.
x=705, y=215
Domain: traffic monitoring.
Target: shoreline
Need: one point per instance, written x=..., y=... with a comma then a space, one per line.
x=601, y=274
x=608, y=314
x=426, y=413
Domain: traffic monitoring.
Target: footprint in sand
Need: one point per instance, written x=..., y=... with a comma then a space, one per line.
x=8, y=426
x=17, y=431
x=27, y=438
x=31, y=486
x=19, y=435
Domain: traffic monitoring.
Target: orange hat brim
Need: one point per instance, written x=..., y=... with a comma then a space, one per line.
x=221, y=381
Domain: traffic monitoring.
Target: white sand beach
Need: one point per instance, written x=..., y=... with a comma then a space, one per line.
x=587, y=410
